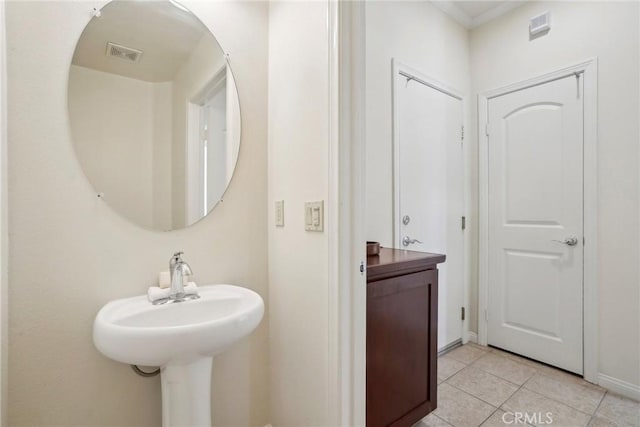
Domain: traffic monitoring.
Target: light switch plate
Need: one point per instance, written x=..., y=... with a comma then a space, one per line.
x=314, y=216
x=279, y=213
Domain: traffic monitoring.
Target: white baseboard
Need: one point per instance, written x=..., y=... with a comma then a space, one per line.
x=473, y=337
x=623, y=388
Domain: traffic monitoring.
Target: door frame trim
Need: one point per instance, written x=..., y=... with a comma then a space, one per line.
x=347, y=297
x=589, y=70
x=4, y=236
x=399, y=67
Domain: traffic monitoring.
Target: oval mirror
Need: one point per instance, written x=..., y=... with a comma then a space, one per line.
x=154, y=112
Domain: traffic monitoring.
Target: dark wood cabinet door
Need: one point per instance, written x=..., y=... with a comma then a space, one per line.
x=402, y=331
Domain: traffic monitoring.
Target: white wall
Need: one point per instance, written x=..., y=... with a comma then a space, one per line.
x=234, y=119
x=298, y=260
x=112, y=122
x=423, y=37
x=71, y=253
x=124, y=124
x=161, y=154
x=501, y=53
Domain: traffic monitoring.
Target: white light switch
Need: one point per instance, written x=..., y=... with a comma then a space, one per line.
x=314, y=216
x=280, y=213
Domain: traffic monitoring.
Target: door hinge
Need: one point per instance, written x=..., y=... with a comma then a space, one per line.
x=462, y=313
x=486, y=315
x=464, y=222
x=486, y=129
x=462, y=134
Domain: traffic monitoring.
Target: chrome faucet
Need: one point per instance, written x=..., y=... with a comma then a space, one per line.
x=178, y=269
x=175, y=259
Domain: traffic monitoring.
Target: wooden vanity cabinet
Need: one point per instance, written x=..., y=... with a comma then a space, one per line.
x=402, y=332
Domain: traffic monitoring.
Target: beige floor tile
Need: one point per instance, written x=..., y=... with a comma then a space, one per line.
x=535, y=405
x=467, y=353
x=495, y=420
x=580, y=397
x=499, y=419
x=519, y=359
x=447, y=367
x=622, y=411
x=478, y=346
x=507, y=369
x=564, y=376
x=432, y=421
x=461, y=409
x=483, y=385
x=601, y=422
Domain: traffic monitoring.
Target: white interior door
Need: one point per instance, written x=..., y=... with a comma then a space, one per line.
x=430, y=187
x=535, y=140
x=215, y=158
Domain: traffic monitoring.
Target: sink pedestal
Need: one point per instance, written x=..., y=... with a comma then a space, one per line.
x=186, y=393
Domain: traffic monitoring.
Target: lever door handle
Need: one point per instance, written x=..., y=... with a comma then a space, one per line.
x=406, y=241
x=569, y=241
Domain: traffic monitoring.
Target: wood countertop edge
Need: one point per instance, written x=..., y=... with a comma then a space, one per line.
x=396, y=262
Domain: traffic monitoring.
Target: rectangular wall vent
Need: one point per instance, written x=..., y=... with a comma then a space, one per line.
x=123, y=52
x=540, y=23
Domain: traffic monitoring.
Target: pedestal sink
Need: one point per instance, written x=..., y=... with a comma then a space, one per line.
x=181, y=339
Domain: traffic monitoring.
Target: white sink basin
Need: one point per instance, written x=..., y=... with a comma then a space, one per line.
x=182, y=339
x=134, y=331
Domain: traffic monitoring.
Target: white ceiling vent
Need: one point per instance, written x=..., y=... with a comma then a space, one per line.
x=123, y=52
x=540, y=23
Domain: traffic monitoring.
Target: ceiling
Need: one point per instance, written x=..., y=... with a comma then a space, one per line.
x=471, y=14
x=165, y=33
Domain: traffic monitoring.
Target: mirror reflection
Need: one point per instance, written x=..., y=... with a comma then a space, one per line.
x=154, y=113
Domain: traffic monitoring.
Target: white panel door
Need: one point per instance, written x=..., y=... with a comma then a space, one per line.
x=431, y=190
x=535, y=222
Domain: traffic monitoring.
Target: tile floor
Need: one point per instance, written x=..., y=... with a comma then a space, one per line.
x=478, y=385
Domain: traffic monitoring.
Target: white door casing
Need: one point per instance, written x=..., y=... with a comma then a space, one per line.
x=538, y=184
x=4, y=253
x=429, y=185
x=211, y=143
x=346, y=215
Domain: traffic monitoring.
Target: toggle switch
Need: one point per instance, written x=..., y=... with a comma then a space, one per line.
x=280, y=213
x=314, y=216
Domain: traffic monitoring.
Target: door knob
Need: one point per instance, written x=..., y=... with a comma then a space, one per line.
x=406, y=241
x=569, y=241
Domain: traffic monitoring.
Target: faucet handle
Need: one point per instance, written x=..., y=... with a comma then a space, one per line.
x=177, y=257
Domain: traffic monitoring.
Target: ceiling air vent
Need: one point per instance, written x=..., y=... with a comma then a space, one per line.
x=123, y=52
x=540, y=24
